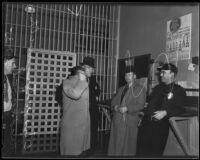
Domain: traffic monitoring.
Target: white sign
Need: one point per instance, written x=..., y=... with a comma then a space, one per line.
x=178, y=44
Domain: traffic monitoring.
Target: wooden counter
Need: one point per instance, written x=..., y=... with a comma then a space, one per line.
x=183, y=137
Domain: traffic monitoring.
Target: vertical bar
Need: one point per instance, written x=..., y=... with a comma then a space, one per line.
x=45, y=27
x=98, y=126
x=19, y=66
x=109, y=44
x=17, y=83
x=41, y=20
x=6, y=22
x=102, y=54
x=100, y=130
x=98, y=48
x=11, y=23
x=67, y=29
x=59, y=30
x=20, y=49
x=91, y=31
x=106, y=120
x=71, y=34
x=117, y=49
x=87, y=30
x=26, y=30
x=63, y=31
x=75, y=31
x=111, y=35
x=31, y=33
x=20, y=44
x=97, y=59
x=83, y=37
x=50, y=29
x=54, y=27
x=16, y=30
x=112, y=38
x=36, y=27
x=79, y=37
x=102, y=118
x=106, y=51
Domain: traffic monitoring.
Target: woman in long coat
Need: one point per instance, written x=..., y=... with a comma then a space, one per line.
x=75, y=123
x=123, y=136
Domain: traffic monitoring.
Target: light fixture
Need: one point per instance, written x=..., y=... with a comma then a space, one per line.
x=30, y=9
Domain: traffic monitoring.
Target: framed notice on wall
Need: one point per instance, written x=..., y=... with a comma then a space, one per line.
x=178, y=42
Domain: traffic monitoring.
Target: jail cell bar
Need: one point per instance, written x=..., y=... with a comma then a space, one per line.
x=45, y=71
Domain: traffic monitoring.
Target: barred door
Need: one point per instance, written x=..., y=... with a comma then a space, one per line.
x=45, y=70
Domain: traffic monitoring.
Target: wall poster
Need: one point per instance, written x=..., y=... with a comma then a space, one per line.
x=178, y=43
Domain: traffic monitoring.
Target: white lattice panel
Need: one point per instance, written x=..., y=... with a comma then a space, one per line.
x=45, y=70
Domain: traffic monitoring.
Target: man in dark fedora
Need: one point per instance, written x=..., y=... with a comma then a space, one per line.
x=94, y=92
x=9, y=67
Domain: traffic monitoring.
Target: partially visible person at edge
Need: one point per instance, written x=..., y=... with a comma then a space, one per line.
x=75, y=123
x=9, y=67
x=165, y=101
x=130, y=99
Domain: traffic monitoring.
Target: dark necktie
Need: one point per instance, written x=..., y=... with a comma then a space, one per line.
x=124, y=92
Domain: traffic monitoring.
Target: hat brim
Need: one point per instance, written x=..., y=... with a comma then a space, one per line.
x=87, y=65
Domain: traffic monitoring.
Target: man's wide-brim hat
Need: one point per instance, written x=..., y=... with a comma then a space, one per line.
x=9, y=53
x=168, y=66
x=88, y=61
